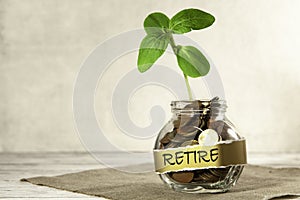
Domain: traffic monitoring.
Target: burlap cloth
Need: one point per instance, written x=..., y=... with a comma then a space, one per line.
x=255, y=183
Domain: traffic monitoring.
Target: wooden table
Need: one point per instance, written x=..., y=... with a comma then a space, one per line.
x=14, y=166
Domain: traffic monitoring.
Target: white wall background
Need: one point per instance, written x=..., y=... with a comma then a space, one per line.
x=255, y=45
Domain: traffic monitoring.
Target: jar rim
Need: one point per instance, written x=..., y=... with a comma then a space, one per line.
x=205, y=104
x=189, y=101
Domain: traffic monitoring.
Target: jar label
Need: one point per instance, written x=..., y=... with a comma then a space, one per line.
x=199, y=157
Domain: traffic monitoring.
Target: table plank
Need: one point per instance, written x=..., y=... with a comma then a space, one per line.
x=14, y=166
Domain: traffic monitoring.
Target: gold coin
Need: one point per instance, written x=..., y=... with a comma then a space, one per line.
x=183, y=177
x=194, y=142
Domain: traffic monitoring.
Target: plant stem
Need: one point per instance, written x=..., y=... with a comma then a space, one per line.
x=188, y=87
x=172, y=43
x=174, y=48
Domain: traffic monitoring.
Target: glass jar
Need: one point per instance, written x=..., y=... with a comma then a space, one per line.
x=200, y=123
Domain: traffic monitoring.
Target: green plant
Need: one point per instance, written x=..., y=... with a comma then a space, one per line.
x=160, y=30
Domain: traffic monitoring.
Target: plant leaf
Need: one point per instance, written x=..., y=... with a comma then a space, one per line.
x=156, y=23
x=190, y=19
x=192, y=62
x=151, y=48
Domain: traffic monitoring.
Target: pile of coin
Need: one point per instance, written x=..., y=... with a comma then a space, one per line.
x=187, y=127
x=195, y=125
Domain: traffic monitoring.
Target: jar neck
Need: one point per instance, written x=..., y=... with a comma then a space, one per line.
x=215, y=108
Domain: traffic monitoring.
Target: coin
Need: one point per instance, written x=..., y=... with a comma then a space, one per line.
x=223, y=129
x=220, y=138
x=176, y=123
x=220, y=172
x=209, y=137
x=180, y=138
x=189, y=143
x=183, y=177
x=204, y=175
x=172, y=145
x=208, y=177
x=168, y=137
x=189, y=120
x=197, y=174
x=165, y=140
x=189, y=133
x=189, y=125
x=217, y=125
